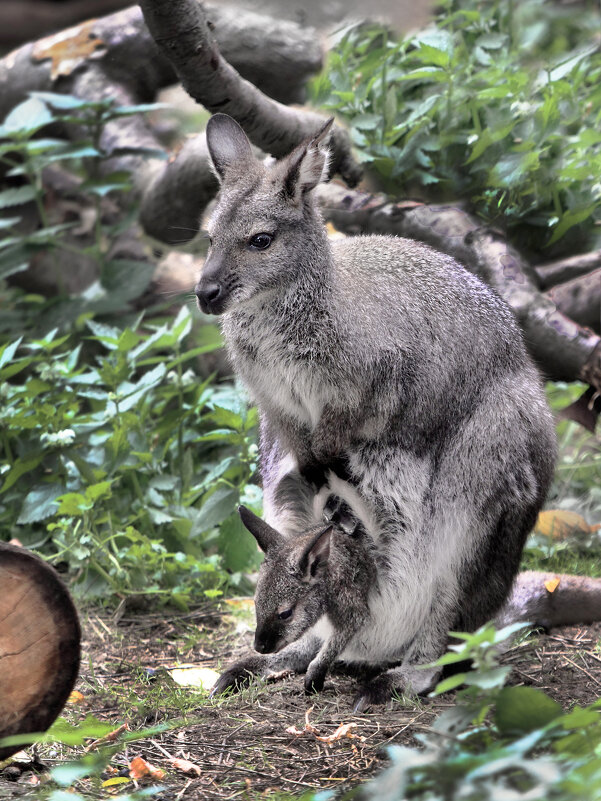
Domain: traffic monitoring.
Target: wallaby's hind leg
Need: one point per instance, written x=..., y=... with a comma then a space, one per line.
x=295, y=657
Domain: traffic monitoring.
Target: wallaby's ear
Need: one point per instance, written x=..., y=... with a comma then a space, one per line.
x=265, y=535
x=315, y=556
x=307, y=165
x=227, y=143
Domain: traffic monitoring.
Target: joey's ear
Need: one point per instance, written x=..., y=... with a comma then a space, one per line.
x=265, y=535
x=307, y=165
x=227, y=143
x=315, y=556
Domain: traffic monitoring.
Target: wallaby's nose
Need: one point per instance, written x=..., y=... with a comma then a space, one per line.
x=208, y=295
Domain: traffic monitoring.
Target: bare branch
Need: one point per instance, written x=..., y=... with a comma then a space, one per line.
x=556, y=272
x=580, y=299
x=181, y=30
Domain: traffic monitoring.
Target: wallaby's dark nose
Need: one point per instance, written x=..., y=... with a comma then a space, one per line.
x=265, y=642
x=209, y=295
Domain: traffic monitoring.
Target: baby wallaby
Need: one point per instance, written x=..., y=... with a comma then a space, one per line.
x=387, y=362
x=311, y=599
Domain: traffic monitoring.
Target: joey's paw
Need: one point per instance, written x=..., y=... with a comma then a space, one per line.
x=236, y=677
x=339, y=513
x=377, y=691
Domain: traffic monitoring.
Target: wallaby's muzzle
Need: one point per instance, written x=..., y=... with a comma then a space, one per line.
x=210, y=291
x=210, y=297
x=267, y=641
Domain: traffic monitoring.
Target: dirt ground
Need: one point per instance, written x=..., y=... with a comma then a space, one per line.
x=241, y=744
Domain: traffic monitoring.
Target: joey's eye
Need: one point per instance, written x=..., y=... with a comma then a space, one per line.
x=260, y=241
x=285, y=614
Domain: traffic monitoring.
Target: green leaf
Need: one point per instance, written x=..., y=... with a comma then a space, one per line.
x=8, y=351
x=225, y=418
x=61, y=101
x=21, y=467
x=569, y=219
x=524, y=709
x=26, y=118
x=17, y=196
x=237, y=546
x=218, y=507
x=40, y=503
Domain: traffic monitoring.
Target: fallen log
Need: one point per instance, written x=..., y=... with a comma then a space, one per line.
x=39, y=645
x=557, y=272
x=580, y=299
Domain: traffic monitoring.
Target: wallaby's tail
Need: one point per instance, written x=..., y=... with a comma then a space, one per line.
x=539, y=598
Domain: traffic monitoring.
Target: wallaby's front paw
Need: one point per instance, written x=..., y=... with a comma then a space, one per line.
x=237, y=676
x=314, y=681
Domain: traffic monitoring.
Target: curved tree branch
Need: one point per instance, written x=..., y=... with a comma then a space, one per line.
x=181, y=30
x=580, y=298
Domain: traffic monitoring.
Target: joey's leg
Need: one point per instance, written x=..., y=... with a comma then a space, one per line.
x=295, y=657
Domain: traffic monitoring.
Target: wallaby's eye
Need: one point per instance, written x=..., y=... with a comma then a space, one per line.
x=285, y=614
x=260, y=241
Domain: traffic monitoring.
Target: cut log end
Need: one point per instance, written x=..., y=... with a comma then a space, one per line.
x=39, y=644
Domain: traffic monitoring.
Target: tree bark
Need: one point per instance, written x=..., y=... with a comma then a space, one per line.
x=580, y=299
x=181, y=30
x=280, y=66
x=557, y=272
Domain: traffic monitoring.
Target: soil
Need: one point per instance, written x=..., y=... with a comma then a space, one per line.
x=242, y=744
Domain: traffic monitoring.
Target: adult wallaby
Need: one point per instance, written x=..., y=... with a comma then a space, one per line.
x=314, y=591
x=387, y=364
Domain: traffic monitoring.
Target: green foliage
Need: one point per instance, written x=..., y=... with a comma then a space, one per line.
x=576, y=488
x=497, y=102
x=120, y=461
x=85, y=776
x=497, y=742
x=24, y=155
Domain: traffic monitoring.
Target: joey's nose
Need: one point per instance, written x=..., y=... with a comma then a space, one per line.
x=209, y=296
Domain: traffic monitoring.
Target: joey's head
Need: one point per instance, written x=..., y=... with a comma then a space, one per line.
x=264, y=220
x=291, y=590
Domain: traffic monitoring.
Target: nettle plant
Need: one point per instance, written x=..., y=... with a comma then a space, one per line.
x=118, y=460
x=26, y=153
x=496, y=741
x=496, y=102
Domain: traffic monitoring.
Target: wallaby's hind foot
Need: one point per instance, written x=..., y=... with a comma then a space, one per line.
x=407, y=680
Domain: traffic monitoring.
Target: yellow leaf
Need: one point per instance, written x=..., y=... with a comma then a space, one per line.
x=68, y=49
x=139, y=768
x=558, y=524
x=202, y=678
x=552, y=584
x=243, y=604
x=116, y=780
x=76, y=697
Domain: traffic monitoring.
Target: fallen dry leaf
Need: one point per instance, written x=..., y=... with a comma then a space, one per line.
x=201, y=678
x=561, y=523
x=108, y=738
x=76, y=697
x=552, y=584
x=68, y=49
x=344, y=730
x=139, y=769
x=184, y=765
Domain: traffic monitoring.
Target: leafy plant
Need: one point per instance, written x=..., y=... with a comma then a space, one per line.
x=26, y=155
x=498, y=741
x=497, y=102
x=121, y=462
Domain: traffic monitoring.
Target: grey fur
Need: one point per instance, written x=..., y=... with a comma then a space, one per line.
x=387, y=364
